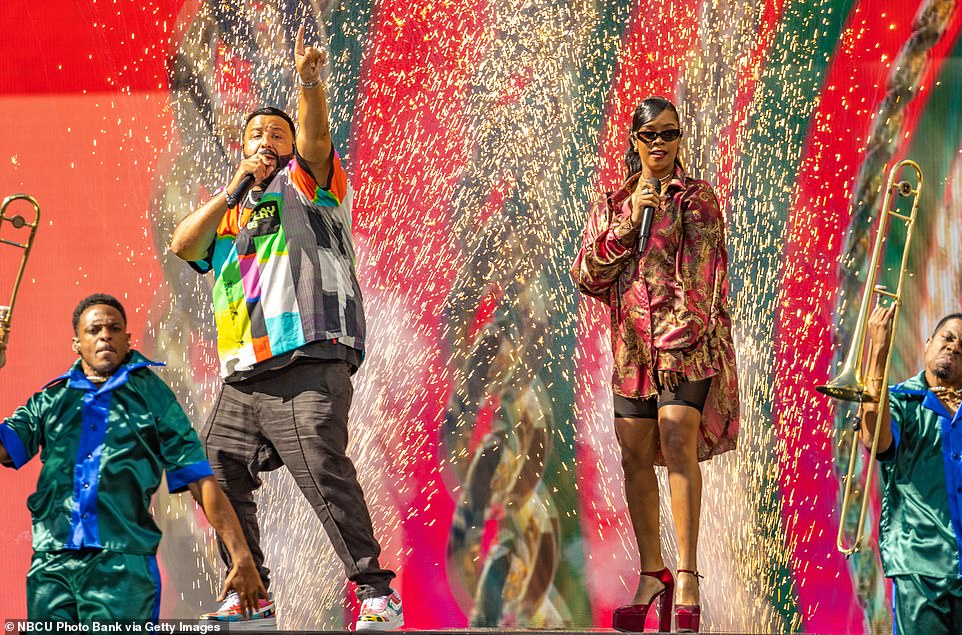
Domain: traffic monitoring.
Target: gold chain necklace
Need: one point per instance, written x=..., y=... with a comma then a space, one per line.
x=665, y=180
x=951, y=397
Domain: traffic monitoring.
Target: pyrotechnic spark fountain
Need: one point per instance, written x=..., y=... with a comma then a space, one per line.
x=476, y=135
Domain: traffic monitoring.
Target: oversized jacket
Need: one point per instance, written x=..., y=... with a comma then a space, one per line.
x=668, y=304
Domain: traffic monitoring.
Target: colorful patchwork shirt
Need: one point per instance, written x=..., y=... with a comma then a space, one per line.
x=921, y=521
x=284, y=271
x=104, y=448
x=669, y=304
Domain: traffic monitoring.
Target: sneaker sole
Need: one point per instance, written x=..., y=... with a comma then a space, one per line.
x=391, y=625
x=261, y=624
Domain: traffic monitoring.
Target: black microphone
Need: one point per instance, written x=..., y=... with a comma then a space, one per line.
x=646, y=215
x=247, y=182
x=234, y=198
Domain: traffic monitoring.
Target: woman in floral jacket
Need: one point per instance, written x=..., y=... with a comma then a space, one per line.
x=675, y=387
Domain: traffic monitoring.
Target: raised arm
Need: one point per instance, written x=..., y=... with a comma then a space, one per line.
x=243, y=576
x=878, y=338
x=5, y=459
x=314, y=143
x=3, y=347
x=607, y=246
x=194, y=234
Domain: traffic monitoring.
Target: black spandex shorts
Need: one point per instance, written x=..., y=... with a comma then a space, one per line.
x=688, y=393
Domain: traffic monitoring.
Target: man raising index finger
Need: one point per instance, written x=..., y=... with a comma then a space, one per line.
x=291, y=332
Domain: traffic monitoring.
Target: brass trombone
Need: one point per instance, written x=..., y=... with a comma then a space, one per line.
x=849, y=385
x=18, y=222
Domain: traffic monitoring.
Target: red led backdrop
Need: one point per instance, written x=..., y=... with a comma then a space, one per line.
x=475, y=136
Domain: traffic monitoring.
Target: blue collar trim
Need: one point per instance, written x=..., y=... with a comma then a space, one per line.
x=76, y=378
x=84, y=524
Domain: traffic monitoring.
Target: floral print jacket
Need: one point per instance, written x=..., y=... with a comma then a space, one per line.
x=669, y=303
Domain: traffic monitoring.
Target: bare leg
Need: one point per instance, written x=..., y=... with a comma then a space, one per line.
x=678, y=426
x=638, y=439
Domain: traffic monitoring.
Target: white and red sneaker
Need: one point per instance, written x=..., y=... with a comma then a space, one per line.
x=382, y=613
x=264, y=618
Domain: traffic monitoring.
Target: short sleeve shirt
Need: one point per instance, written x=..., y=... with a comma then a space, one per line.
x=104, y=449
x=284, y=271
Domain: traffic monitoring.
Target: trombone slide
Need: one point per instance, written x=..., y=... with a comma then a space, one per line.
x=849, y=384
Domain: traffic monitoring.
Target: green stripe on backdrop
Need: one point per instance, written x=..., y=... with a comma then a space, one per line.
x=348, y=25
x=764, y=186
x=934, y=146
x=591, y=86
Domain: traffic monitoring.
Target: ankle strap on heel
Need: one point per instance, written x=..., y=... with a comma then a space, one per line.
x=662, y=575
x=694, y=573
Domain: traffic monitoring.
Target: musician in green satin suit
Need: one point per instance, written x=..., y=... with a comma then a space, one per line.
x=107, y=430
x=920, y=455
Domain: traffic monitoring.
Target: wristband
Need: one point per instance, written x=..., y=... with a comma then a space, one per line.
x=310, y=84
x=231, y=198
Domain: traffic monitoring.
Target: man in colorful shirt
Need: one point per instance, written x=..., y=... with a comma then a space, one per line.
x=107, y=430
x=920, y=454
x=291, y=331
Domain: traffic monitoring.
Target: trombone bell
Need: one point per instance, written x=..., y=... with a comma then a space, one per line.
x=846, y=387
x=19, y=222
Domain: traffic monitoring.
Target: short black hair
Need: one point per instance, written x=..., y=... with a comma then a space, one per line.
x=947, y=318
x=93, y=300
x=270, y=111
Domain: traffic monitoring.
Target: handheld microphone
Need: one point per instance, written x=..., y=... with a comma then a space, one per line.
x=248, y=181
x=235, y=197
x=647, y=214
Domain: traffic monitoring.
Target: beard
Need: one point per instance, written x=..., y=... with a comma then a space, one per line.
x=280, y=162
x=946, y=370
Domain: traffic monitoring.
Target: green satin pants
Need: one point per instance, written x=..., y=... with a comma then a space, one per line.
x=93, y=585
x=925, y=605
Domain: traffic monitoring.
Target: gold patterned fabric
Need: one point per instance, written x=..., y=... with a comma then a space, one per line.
x=669, y=304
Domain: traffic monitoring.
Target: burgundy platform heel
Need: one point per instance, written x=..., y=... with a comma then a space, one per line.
x=688, y=616
x=630, y=618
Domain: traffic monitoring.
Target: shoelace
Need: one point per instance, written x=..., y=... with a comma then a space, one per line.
x=230, y=602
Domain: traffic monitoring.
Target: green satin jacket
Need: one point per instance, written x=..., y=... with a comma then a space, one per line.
x=920, y=525
x=104, y=449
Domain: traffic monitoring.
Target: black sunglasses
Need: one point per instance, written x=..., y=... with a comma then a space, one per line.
x=650, y=135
